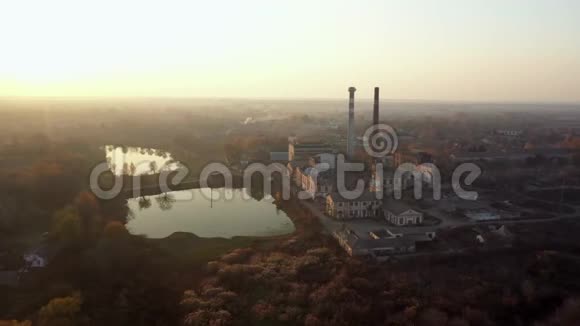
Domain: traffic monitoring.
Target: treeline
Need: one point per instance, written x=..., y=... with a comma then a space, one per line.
x=99, y=274
x=36, y=181
x=319, y=286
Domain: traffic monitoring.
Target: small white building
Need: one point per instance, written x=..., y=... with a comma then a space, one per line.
x=398, y=213
x=38, y=258
x=35, y=261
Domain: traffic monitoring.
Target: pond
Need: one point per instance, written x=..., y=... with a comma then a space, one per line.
x=194, y=211
x=138, y=160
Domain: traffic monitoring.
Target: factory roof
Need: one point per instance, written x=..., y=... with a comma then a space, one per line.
x=397, y=206
x=355, y=242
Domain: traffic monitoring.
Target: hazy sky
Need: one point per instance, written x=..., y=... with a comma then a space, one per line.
x=523, y=50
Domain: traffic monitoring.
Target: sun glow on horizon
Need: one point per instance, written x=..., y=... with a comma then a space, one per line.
x=476, y=50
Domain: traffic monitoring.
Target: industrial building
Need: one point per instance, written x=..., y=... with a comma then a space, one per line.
x=298, y=151
x=400, y=214
x=380, y=244
x=366, y=205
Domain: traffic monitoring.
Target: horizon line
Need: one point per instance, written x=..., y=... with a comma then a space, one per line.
x=239, y=98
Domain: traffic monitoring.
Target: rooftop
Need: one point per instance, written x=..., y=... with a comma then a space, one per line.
x=356, y=242
x=397, y=206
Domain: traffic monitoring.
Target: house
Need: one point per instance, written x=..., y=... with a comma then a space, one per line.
x=366, y=205
x=38, y=257
x=398, y=213
x=379, y=244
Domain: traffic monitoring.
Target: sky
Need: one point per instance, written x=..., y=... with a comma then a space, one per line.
x=469, y=50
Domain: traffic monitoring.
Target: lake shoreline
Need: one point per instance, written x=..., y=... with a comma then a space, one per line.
x=231, y=213
x=198, y=250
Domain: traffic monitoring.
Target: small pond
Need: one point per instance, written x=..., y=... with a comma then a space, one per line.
x=138, y=160
x=206, y=213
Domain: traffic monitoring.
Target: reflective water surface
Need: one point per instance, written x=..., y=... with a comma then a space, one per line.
x=138, y=160
x=206, y=213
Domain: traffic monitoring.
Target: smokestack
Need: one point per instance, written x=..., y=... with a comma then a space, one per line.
x=350, y=133
x=376, y=107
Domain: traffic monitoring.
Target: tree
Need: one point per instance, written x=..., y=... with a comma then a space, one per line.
x=153, y=167
x=15, y=323
x=64, y=311
x=144, y=202
x=54, y=183
x=87, y=203
x=433, y=316
x=567, y=314
x=90, y=214
x=66, y=226
x=125, y=169
x=115, y=230
x=165, y=201
x=312, y=320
